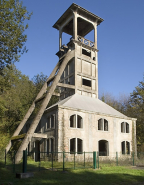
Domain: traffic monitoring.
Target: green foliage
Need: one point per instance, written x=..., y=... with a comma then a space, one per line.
x=12, y=27
x=16, y=95
x=39, y=81
x=132, y=106
x=135, y=109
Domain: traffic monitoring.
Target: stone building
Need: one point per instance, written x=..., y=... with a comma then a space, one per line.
x=80, y=121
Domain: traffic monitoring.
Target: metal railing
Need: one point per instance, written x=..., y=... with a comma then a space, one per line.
x=38, y=161
x=84, y=41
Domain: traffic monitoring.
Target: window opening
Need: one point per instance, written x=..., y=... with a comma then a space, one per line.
x=79, y=146
x=52, y=121
x=100, y=124
x=127, y=147
x=52, y=145
x=48, y=123
x=74, y=148
x=85, y=52
x=124, y=127
x=127, y=128
x=105, y=125
x=103, y=148
x=73, y=121
x=123, y=147
x=79, y=121
x=86, y=82
x=72, y=145
x=47, y=146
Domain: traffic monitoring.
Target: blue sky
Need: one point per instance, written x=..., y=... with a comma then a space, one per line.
x=120, y=41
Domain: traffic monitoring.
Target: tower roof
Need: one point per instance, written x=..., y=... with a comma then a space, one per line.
x=84, y=26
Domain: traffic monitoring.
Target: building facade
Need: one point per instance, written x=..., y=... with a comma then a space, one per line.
x=80, y=121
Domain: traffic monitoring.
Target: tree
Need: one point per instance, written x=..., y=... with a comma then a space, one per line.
x=39, y=81
x=120, y=104
x=12, y=27
x=16, y=96
x=135, y=109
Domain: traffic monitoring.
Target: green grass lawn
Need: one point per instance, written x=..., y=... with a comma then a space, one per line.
x=109, y=175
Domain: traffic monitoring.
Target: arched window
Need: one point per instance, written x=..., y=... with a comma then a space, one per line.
x=103, y=148
x=103, y=124
x=125, y=147
x=76, y=121
x=76, y=145
x=124, y=127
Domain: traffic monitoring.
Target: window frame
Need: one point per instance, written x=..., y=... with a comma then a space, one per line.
x=102, y=126
x=76, y=121
x=49, y=122
x=125, y=148
x=125, y=127
x=78, y=146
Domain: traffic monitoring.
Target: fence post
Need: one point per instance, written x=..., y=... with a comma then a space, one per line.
x=5, y=157
x=133, y=158
x=94, y=160
x=98, y=158
x=117, y=158
x=84, y=159
x=39, y=160
x=63, y=160
x=52, y=160
x=14, y=163
x=24, y=161
x=74, y=160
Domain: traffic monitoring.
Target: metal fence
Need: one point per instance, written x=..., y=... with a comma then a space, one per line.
x=38, y=161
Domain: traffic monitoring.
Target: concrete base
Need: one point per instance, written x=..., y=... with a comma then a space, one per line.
x=24, y=175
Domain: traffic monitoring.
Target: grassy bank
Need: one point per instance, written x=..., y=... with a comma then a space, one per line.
x=112, y=175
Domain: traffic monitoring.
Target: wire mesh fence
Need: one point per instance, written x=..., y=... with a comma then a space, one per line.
x=38, y=161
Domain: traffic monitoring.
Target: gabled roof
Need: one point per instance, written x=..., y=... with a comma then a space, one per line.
x=90, y=104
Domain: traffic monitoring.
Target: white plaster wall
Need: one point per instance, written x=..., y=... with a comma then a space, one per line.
x=90, y=133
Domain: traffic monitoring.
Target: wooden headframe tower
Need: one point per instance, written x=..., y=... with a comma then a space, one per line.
x=75, y=72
